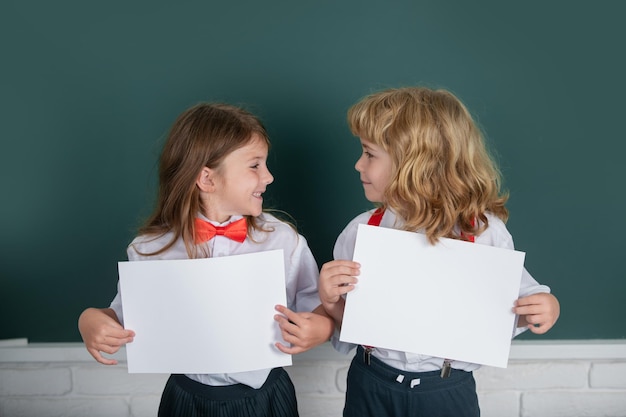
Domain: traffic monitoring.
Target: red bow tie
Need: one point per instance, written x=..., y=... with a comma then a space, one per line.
x=236, y=231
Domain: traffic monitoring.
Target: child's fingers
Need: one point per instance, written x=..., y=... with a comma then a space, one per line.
x=120, y=332
x=98, y=357
x=297, y=344
x=290, y=337
x=538, y=329
x=337, y=263
x=532, y=304
x=282, y=321
x=529, y=299
x=540, y=323
x=331, y=290
x=539, y=311
x=121, y=335
x=534, y=312
x=342, y=285
x=544, y=300
x=291, y=316
x=339, y=270
x=289, y=322
x=288, y=331
x=110, y=344
x=333, y=294
x=342, y=267
x=282, y=347
x=527, y=310
x=291, y=350
x=106, y=348
x=116, y=339
x=337, y=278
x=537, y=323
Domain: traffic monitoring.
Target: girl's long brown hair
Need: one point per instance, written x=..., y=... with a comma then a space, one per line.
x=201, y=136
x=443, y=174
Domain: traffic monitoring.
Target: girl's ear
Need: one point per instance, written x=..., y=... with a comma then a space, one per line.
x=205, y=181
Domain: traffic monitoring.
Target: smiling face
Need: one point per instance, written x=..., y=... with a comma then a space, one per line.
x=237, y=185
x=375, y=166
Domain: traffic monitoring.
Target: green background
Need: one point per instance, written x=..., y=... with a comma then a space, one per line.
x=88, y=91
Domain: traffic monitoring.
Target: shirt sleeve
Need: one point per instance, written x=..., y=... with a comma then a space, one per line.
x=116, y=304
x=498, y=235
x=304, y=275
x=344, y=246
x=301, y=270
x=344, y=250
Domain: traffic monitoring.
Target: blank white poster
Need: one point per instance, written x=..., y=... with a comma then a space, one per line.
x=213, y=315
x=450, y=300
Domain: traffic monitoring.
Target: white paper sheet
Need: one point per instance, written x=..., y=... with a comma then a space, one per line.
x=212, y=315
x=452, y=300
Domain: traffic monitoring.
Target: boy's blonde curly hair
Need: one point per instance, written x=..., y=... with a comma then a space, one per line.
x=443, y=174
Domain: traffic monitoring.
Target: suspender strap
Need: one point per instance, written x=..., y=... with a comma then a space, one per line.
x=378, y=214
x=376, y=217
x=470, y=238
x=374, y=220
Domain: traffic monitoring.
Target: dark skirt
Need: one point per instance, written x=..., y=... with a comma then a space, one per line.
x=379, y=390
x=184, y=397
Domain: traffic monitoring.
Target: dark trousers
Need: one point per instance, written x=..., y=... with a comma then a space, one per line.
x=184, y=397
x=379, y=390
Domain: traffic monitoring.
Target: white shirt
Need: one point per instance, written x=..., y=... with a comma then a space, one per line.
x=301, y=275
x=495, y=235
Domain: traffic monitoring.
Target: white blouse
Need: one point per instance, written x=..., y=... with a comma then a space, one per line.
x=495, y=235
x=301, y=275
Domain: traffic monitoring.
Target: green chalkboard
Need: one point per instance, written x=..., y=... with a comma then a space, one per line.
x=88, y=92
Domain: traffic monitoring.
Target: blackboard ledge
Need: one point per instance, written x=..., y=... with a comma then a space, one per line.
x=520, y=350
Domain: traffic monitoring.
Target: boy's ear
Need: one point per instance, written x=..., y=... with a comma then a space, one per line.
x=205, y=180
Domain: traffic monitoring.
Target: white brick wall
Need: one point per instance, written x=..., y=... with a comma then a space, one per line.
x=543, y=379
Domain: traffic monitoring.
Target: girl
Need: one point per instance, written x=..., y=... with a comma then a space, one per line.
x=213, y=173
x=425, y=162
